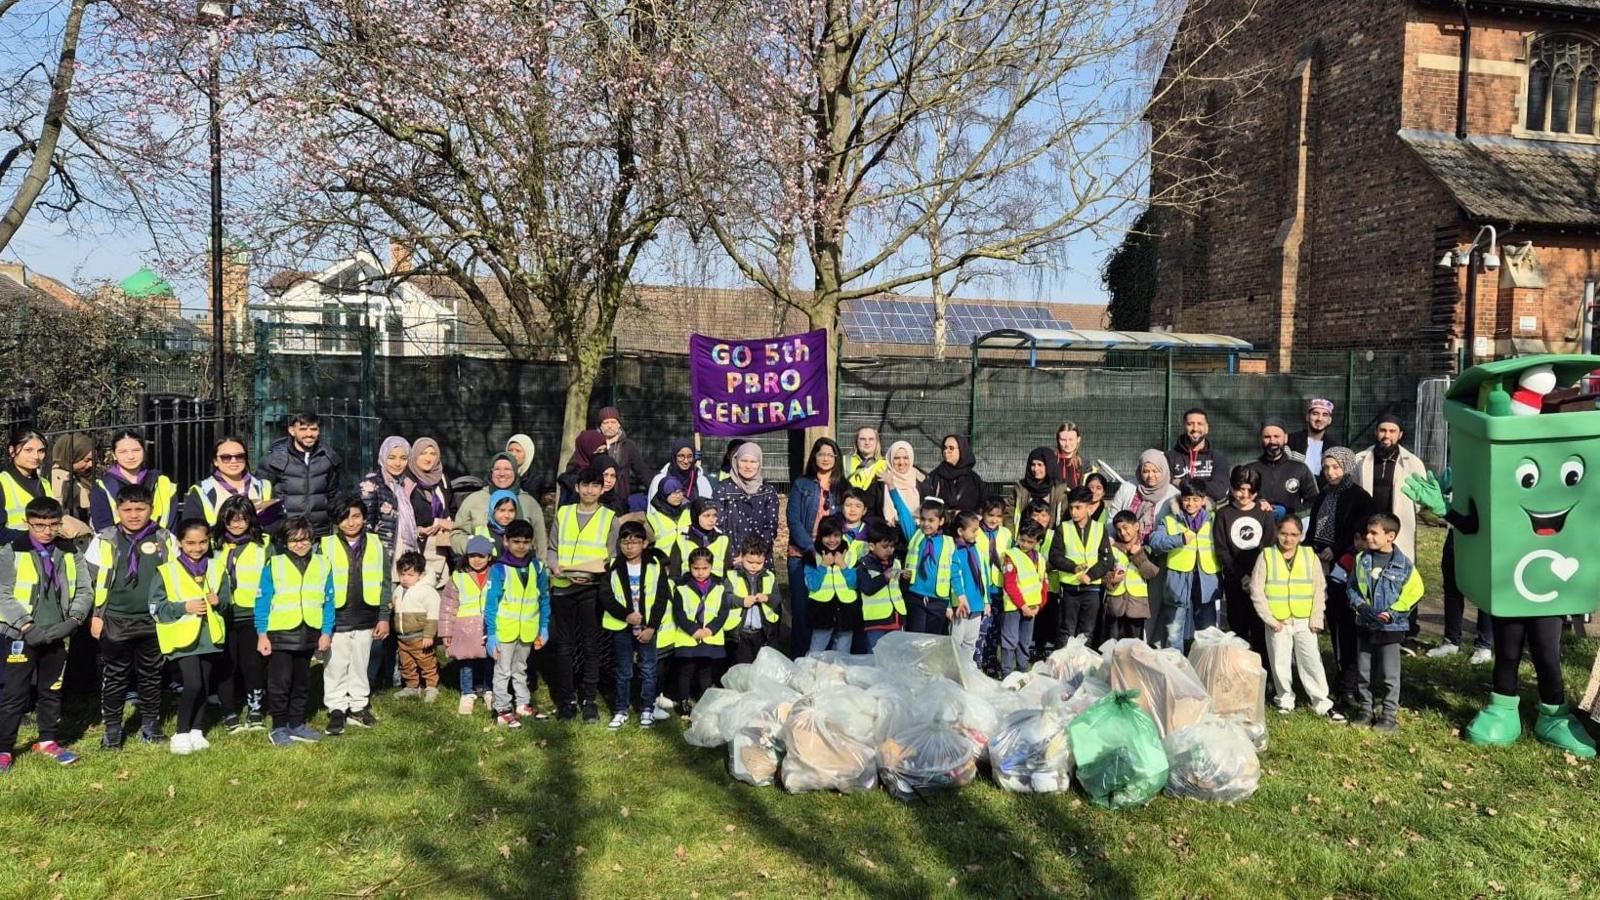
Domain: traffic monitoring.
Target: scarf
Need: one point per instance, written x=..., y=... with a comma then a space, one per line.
x=688, y=477
x=585, y=447
x=1068, y=469
x=494, y=501
x=660, y=504
x=747, y=450
x=68, y=449
x=234, y=543
x=222, y=484
x=1333, y=493
x=405, y=531
x=526, y=443
x=617, y=497
x=47, y=565
x=195, y=567
x=1146, y=500
x=138, y=477
x=963, y=464
x=1038, y=488
x=134, y=540
x=905, y=485
x=515, y=562
x=1195, y=521
x=428, y=478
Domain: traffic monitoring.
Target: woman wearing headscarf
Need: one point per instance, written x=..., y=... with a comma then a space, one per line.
x=1148, y=494
x=585, y=447
x=431, y=500
x=72, y=473
x=613, y=495
x=749, y=504
x=726, y=470
x=1038, y=482
x=954, y=480
x=520, y=446
x=1338, y=513
x=474, y=511
x=684, y=466
x=387, y=494
x=901, y=477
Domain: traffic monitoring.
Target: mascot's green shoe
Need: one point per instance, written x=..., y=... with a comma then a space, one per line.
x=1498, y=723
x=1559, y=728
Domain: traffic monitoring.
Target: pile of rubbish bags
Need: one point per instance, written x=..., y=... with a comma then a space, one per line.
x=1125, y=723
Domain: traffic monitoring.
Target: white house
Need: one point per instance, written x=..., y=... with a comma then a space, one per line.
x=359, y=291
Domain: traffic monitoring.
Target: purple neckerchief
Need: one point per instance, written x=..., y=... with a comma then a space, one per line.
x=236, y=543
x=138, y=477
x=46, y=564
x=1196, y=520
x=436, y=503
x=703, y=588
x=505, y=558
x=134, y=539
x=222, y=483
x=703, y=537
x=195, y=567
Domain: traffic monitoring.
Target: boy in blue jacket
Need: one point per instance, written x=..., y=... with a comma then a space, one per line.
x=930, y=558
x=1384, y=587
x=516, y=622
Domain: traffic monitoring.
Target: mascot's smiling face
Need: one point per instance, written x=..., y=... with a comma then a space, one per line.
x=1548, y=488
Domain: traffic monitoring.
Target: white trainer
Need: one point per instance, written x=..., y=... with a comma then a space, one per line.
x=1482, y=656
x=198, y=740
x=618, y=720
x=1443, y=650
x=181, y=744
x=647, y=718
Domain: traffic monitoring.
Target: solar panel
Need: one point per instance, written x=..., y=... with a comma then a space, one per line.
x=903, y=321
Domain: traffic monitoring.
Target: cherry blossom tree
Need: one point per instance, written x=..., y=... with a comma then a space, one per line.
x=33, y=111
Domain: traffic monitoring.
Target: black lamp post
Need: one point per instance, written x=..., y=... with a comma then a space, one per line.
x=215, y=16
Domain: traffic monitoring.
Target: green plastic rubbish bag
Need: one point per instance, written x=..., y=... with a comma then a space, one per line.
x=1118, y=753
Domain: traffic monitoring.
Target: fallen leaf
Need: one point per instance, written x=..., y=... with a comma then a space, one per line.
x=680, y=852
x=42, y=864
x=1446, y=785
x=730, y=828
x=1490, y=811
x=951, y=882
x=233, y=782
x=625, y=812
x=579, y=850
x=96, y=786
x=1018, y=854
x=505, y=852
x=764, y=874
x=172, y=791
x=123, y=775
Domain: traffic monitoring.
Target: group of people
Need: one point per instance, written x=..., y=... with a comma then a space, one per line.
x=231, y=588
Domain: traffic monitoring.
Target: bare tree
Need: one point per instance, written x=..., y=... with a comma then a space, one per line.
x=913, y=140
x=39, y=147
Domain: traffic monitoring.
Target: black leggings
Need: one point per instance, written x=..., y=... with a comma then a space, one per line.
x=694, y=676
x=1543, y=634
x=196, y=672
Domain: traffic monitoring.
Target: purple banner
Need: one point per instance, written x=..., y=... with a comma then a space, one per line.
x=751, y=387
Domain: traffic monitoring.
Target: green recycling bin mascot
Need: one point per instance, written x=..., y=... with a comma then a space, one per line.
x=1524, y=506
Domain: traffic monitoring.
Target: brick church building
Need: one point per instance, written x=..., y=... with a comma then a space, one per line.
x=1356, y=166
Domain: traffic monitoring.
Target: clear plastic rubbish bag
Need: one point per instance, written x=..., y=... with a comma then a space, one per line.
x=774, y=665
x=818, y=755
x=738, y=677
x=705, y=722
x=1167, y=686
x=927, y=757
x=1118, y=753
x=1212, y=760
x=1031, y=752
x=1074, y=663
x=755, y=752
x=929, y=655
x=765, y=699
x=812, y=674
x=1084, y=697
x=1232, y=674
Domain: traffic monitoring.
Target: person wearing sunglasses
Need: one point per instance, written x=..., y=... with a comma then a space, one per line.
x=230, y=477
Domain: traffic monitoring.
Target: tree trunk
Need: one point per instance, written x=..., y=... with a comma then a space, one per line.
x=55, y=117
x=583, y=370
x=823, y=312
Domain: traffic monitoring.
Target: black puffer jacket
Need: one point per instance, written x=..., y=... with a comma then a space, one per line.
x=306, y=482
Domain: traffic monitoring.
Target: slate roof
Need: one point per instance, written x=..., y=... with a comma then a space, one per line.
x=1512, y=180
x=1575, y=7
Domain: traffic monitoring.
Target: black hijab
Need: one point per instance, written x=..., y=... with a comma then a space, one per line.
x=1038, y=488
x=964, y=460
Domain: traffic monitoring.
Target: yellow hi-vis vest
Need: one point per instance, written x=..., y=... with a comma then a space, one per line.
x=649, y=586
x=1030, y=579
x=703, y=609
x=994, y=553
x=581, y=546
x=17, y=498
x=737, y=587
x=1289, y=589
x=184, y=634
x=834, y=587
x=252, y=559
x=861, y=476
x=1084, y=552
x=879, y=605
x=164, y=491
x=719, y=553
x=946, y=558
x=1182, y=559
x=1133, y=583
x=517, y=617
x=28, y=575
x=108, y=561
x=665, y=530
x=470, y=598
x=337, y=552
x=297, y=596
x=210, y=507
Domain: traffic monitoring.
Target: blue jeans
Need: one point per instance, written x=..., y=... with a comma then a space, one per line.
x=873, y=637
x=925, y=615
x=1016, y=636
x=477, y=675
x=838, y=641
x=623, y=647
x=1205, y=616
x=799, y=630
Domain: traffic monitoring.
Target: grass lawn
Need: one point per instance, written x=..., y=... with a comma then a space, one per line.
x=430, y=804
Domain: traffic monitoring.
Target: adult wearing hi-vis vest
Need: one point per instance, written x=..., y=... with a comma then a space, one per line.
x=294, y=616
x=230, y=477
x=45, y=595
x=583, y=541
x=22, y=479
x=1290, y=594
x=358, y=570
x=128, y=468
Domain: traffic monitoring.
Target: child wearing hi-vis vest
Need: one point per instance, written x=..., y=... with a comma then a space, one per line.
x=930, y=559
x=703, y=532
x=294, y=619
x=700, y=608
x=503, y=510
x=831, y=609
x=1290, y=596
x=753, y=597
x=358, y=570
x=240, y=552
x=189, y=629
x=516, y=622
x=994, y=539
x=883, y=604
x=1024, y=572
x=1128, y=593
x=668, y=514
x=632, y=605
x=45, y=596
x=461, y=622
x=1082, y=554
x=1190, y=581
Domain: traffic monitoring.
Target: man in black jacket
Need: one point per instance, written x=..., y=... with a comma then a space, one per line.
x=1286, y=483
x=304, y=472
x=1193, y=457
